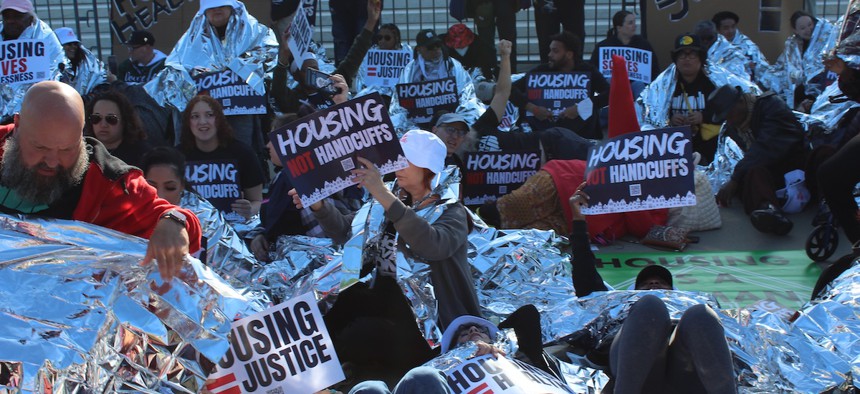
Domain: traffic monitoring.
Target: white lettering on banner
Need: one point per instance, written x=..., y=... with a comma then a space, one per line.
x=218, y=191
x=559, y=80
x=659, y=169
x=489, y=375
x=641, y=146
x=286, y=346
x=345, y=145
x=328, y=126
x=638, y=62
x=565, y=94
x=501, y=162
x=211, y=172
x=427, y=89
x=226, y=77
x=504, y=178
x=23, y=61
x=430, y=102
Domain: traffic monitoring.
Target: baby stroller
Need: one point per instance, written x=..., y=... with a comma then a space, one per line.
x=824, y=238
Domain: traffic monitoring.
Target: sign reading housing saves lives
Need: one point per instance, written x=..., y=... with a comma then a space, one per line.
x=319, y=150
x=23, y=61
x=640, y=171
x=285, y=347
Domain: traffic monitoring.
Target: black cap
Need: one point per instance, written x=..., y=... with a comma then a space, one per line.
x=687, y=41
x=652, y=271
x=140, y=37
x=723, y=15
x=427, y=37
x=721, y=101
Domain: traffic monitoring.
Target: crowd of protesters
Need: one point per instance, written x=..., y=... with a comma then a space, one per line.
x=148, y=114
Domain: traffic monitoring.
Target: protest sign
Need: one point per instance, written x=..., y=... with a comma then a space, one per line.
x=486, y=375
x=640, y=171
x=383, y=67
x=236, y=96
x=23, y=62
x=490, y=175
x=638, y=62
x=216, y=181
x=556, y=91
x=301, y=32
x=284, y=349
x=423, y=99
x=319, y=150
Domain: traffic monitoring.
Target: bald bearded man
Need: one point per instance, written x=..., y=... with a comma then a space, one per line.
x=49, y=169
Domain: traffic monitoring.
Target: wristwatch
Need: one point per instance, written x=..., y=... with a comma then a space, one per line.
x=175, y=216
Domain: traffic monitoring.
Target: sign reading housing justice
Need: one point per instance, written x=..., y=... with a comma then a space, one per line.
x=640, y=171
x=383, y=67
x=319, y=150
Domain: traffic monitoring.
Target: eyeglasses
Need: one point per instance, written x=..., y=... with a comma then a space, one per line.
x=688, y=55
x=453, y=131
x=385, y=37
x=465, y=327
x=110, y=118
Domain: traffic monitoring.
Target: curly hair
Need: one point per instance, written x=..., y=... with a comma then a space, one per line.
x=132, y=126
x=224, y=130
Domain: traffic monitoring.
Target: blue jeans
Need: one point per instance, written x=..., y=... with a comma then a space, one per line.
x=420, y=380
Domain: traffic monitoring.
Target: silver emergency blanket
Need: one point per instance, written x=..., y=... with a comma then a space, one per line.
x=653, y=103
x=89, y=74
x=80, y=314
x=226, y=252
x=729, y=56
x=849, y=40
x=728, y=154
x=795, y=67
x=249, y=49
x=469, y=106
x=11, y=97
x=824, y=113
x=753, y=55
x=362, y=89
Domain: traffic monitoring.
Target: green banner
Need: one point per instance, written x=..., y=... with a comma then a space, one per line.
x=737, y=279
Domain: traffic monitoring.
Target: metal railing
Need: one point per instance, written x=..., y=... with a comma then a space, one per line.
x=90, y=19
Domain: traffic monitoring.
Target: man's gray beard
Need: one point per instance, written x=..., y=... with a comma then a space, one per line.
x=34, y=187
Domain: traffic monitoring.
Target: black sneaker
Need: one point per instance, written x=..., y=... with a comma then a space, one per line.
x=771, y=220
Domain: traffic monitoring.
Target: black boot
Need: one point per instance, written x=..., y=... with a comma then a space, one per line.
x=771, y=220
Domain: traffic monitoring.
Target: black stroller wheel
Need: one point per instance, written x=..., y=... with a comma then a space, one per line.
x=822, y=242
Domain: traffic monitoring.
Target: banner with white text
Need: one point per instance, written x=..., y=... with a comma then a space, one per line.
x=423, y=99
x=23, y=62
x=556, y=91
x=383, y=67
x=640, y=171
x=485, y=375
x=319, y=151
x=217, y=181
x=284, y=349
x=490, y=175
x=236, y=96
x=638, y=62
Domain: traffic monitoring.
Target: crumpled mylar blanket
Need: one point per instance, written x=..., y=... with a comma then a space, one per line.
x=79, y=312
x=249, y=49
x=11, y=96
x=795, y=67
x=849, y=36
x=655, y=100
x=469, y=106
x=90, y=73
x=729, y=56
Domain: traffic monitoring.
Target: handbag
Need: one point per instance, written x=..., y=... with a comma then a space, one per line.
x=705, y=215
x=666, y=237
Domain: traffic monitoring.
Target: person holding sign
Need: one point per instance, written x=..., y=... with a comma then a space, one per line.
x=220, y=168
x=563, y=92
x=622, y=40
x=442, y=243
x=430, y=83
x=49, y=169
x=650, y=353
x=33, y=53
x=380, y=70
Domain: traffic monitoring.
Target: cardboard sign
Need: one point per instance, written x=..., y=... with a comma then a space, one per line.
x=301, y=32
x=485, y=375
x=217, y=181
x=638, y=62
x=641, y=171
x=23, y=62
x=556, y=91
x=490, y=175
x=383, y=67
x=319, y=150
x=236, y=96
x=423, y=99
x=284, y=349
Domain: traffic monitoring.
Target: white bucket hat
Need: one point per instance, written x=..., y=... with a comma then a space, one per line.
x=424, y=149
x=448, y=335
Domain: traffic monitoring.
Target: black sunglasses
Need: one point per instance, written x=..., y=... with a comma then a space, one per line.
x=110, y=118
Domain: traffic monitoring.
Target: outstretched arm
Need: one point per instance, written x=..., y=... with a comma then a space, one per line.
x=585, y=277
x=503, y=85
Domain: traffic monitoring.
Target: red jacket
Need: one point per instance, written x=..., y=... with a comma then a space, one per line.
x=116, y=195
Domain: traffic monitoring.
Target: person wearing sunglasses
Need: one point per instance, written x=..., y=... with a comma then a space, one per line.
x=114, y=122
x=388, y=39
